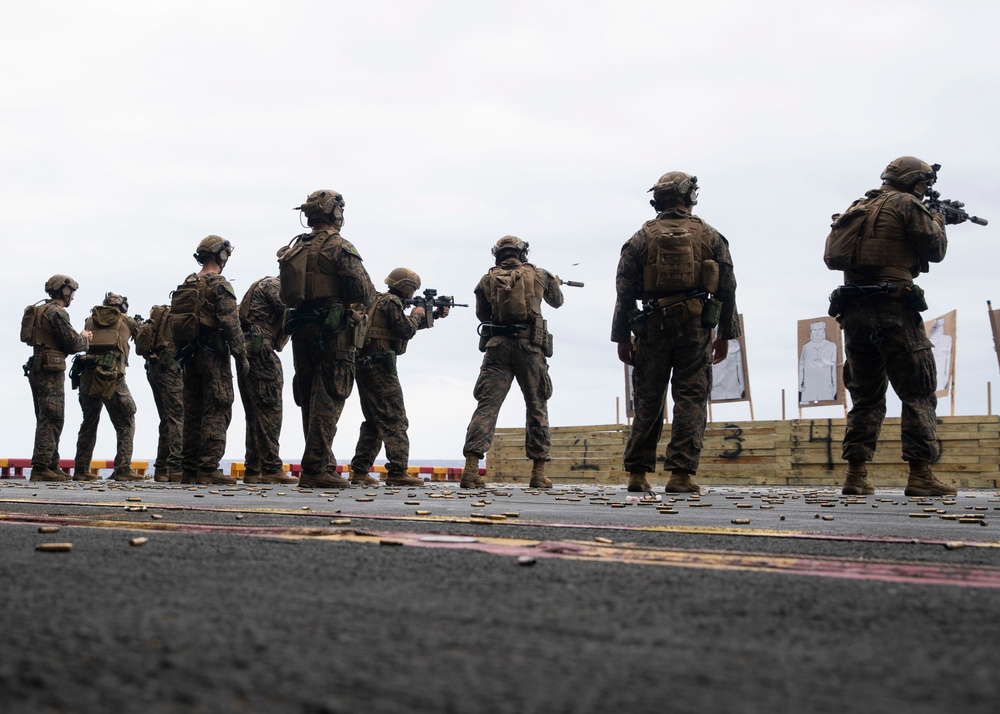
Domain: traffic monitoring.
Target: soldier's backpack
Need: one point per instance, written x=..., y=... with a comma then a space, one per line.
x=28, y=323
x=676, y=257
x=153, y=336
x=850, y=228
x=513, y=294
x=187, y=310
x=298, y=269
x=105, y=324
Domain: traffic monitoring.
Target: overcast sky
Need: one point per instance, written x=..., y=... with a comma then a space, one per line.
x=131, y=130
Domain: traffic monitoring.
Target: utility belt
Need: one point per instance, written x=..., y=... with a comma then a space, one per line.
x=49, y=359
x=850, y=293
x=537, y=332
x=258, y=341
x=675, y=309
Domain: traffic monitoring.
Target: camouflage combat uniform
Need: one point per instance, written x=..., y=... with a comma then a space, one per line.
x=679, y=354
x=324, y=370
x=166, y=379
x=120, y=406
x=884, y=337
x=208, y=380
x=55, y=335
x=507, y=358
x=261, y=312
x=379, y=389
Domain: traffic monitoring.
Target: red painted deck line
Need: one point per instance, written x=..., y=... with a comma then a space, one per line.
x=844, y=568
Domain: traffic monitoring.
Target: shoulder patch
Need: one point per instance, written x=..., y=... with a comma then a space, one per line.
x=348, y=247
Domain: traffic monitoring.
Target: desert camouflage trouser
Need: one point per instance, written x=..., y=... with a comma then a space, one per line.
x=260, y=392
x=682, y=357
x=121, y=410
x=385, y=417
x=208, y=409
x=166, y=379
x=885, y=343
x=507, y=359
x=321, y=385
x=48, y=392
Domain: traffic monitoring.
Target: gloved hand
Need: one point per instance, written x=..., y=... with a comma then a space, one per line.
x=242, y=365
x=956, y=216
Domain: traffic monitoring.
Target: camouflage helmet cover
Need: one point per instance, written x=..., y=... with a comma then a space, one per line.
x=114, y=300
x=323, y=202
x=57, y=282
x=510, y=244
x=909, y=170
x=403, y=280
x=675, y=182
x=214, y=245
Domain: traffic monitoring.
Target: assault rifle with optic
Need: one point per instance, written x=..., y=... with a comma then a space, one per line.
x=953, y=211
x=432, y=303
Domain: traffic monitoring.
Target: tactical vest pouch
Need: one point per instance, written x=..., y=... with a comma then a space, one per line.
x=153, y=336
x=75, y=372
x=53, y=361
x=104, y=325
x=711, y=312
x=512, y=294
x=334, y=322
x=671, y=263
x=28, y=324
x=676, y=314
x=187, y=303
x=913, y=295
x=105, y=377
x=547, y=345
x=710, y=275
x=638, y=321
x=849, y=229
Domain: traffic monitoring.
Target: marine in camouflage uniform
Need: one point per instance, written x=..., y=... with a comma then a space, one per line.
x=208, y=377
x=389, y=329
x=52, y=338
x=322, y=276
x=114, y=395
x=672, y=345
x=166, y=378
x=511, y=354
x=884, y=337
x=261, y=312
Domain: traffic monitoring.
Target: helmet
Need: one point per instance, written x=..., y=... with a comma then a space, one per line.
x=403, y=280
x=909, y=170
x=323, y=202
x=216, y=246
x=511, y=244
x=685, y=186
x=119, y=301
x=57, y=283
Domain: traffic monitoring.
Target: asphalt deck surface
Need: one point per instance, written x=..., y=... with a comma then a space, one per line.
x=434, y=599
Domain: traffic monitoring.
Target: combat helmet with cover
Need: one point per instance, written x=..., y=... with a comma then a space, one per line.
x=58, y=285
x=404, y=281
x=908, y=172
x=511, y=245
x=216, y=246
x=324, y=204
x=675, y=186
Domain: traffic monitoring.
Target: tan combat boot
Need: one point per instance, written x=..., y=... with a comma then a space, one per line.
x=637, y=482
x=470, y=474
x=129, y=475
x=46, y=474
x=324, y=480
x=681, y=482
x=921, y=482
x=856, y=481
x=214, y=478
x=538, y=479
x=403, y=479
x=363, y=479
x=278, y=477
x=85, y=475
x=251, y=478
x=161, y=477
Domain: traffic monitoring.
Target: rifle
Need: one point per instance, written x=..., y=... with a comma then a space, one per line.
x=570, y=283
x=432, y=303
x=951, y=210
